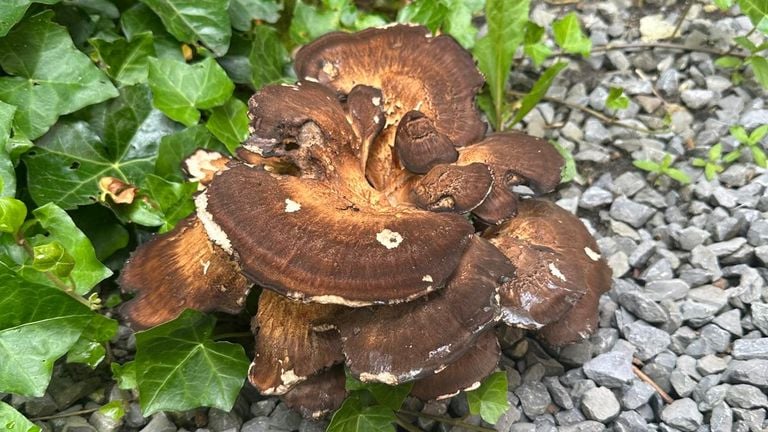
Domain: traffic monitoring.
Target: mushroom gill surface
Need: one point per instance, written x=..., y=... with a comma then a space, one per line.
x=354, y=204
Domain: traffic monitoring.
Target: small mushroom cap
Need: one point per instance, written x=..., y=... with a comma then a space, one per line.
x=319, y=395
x=556, y=264
x=465, y=373
x=178, y=270
x=517, y=158
x=453, y=188
x=326, y=248
x=500, y=205
x=395, y=344
x=420, y=146
x=365, y=111
x=288, y=348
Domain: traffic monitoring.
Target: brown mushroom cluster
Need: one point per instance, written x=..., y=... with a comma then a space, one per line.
x=382, y=224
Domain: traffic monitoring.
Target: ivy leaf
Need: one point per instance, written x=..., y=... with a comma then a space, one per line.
x=12, y=420
x=389, y=396
x=310, y=22
x=180, y=89
x=458, y=21
x=490, y=399
x=87, y=270
x=125, y=375
x=126, y=62
x=120, y=141
x=90, y=348
x=532, y=46
x=267, y=56
x=101, y=227
x=616, y=99
x=539, y=90
x=190, y=21
x=13, y=11
x=760, y=69
x=569, y=37
x=724, y=4
x=229, y=123
x=12, y=214
x=174, y=199
x=43, y=314
x=431, y=13
x=179, y=367
x=495, y=51
x=242, y=13
x=354, y=416
x=50, y=76
x=177, y=147
x=140, y=19
x=757, y=11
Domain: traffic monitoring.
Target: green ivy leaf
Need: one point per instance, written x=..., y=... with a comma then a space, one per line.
x=120, y=141
x=43, y=314
x=125, y=375
x=101, y=227
x=495, y=51
x=617, y=100
x=569, y=37
x=533, y=47
x=728, y=62
x=354, y=416
x=389, y=396
x=757, y=11
x=242, y=13
x=310, y=22
x=6, y=122
x=760, y=69
x=177, y=147
x=50, y=76
x=12, y=420
x=52, y=257
x=431, y=13
x=191, y=21
x=458, y=21
x=267, y=56
x=13, y=11
x=87, y=352
x=179, y=367
x=173, y=199
x=539, y=90
x=140, y=19
x=180, y=89
x=724, y=4
x=490, y=399
x=126, y=62
x=12, y=214
x=229, y=123
x=87, y=271
x=115, y=410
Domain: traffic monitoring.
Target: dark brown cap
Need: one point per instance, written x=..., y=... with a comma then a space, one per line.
x=452, y=188
x=178, y=270
x=309, y=241
x=319, y=395
x=395, y=344
x=289, y=346
x=420, y=146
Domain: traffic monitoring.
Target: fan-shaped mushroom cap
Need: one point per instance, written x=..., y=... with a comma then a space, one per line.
x=365, y=112
x=394, y=344
x=179, y=270
x=453, y=188
x=465, y=373
x=498, y=206
x=289, y=349
x=414, y=71
x=556, y=264
x=420, y=146
x=327, y=248
x=319, y=395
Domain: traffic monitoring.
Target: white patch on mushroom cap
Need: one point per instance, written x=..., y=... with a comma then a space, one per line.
x=214, y=231
x=594, y=256
x=441, y=352
x=205, y=265
x=311, y=79
x=447, y=396
x=376, y=100
x=291, y=206
x=200, y=164
x=474, y=386
x=556, y=272
x=427, y=278
x=388, y=238
x=383, y=377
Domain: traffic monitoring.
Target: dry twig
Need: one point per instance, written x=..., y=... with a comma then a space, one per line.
x=640, y=374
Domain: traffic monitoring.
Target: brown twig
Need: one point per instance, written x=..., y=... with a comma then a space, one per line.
x=664, y=395
x=681, y=18
x=448, y=420
x=666, y=45
x=66, y=414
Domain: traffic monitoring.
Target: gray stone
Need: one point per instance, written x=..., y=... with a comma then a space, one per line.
x=639, y=257
x=595, y=132
x=629, y=184
x=263, y=407
x=682, y=414
x=625, y=210
x=711, y=364
x=753, y=372
x=595, y=197
x=748, y=349
x=618, y=263
x=159, y=423
x=709, y=294
x=40, y=406
x=730, y=321
x=760, y=317
x=558, y=393
x=133, y=416
x=103, y=422
x=612, y=369
x=258, y=424
x=725, y=248
x=523, y=427
x=636, y=395
x=697, y=98
x=642, y=306
x=736, y=175
x=660, y=269
x=758, y=232
x=618, y=60
x=600, y=404
x=648, y=340
x=534, y=398
x=746, y=396
x=284, y=418
x=630, y=421
x=597, y=98
x=75, y=424
x=569, y=417
x=314, y=426
x=703, y=258
x=667, y=83
x=219, y=421
x=682, y=383
x=672, y=289
x=721, y=419
x=754, y=118
x=586, y=426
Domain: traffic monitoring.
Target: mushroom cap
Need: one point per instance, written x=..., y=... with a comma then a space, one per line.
x=319, y=395
x=365, y=112
x=178, y=270
x=465, y=373
x=498, y=206
x=420, y=146
x=395, y=344
x=453, y=188
x=325, y=247
x=289, y=349
x=556, y=264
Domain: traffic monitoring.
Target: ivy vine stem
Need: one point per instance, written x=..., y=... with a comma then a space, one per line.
x=65, y=414
x=447, y=420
